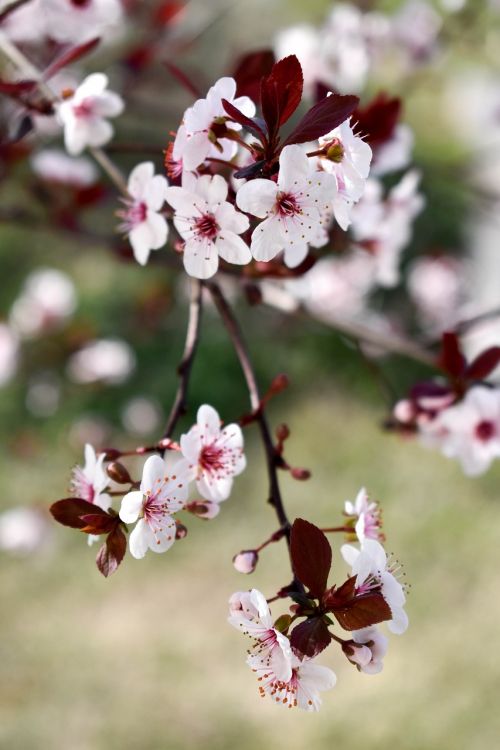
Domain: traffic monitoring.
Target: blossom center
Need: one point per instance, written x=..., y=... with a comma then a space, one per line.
x=485, y=431
x=80, y=3
x=211, y=458
x=85, y=108
x=287, y=205
x=206, y=226
x=81, y=486
x=135, y=213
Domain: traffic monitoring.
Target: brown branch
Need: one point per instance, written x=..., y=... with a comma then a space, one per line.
x=184, y=369
x=272, y=457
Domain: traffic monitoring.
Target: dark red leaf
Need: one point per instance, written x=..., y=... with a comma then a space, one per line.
x=71, y=55
x=311, y=556
x=310, y=637
x=249, y=124
x=112, y=552
x=98, y=524
x=356, y=611
x=328, y=114
x=70, y=510
x=451, y=359
x=281, y=92
x=378, y=119
x=251, y=171
x=183, y=78
x=16, y=88
x=249, y=71
x=483, y=364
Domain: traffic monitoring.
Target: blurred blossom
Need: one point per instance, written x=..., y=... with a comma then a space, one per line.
x=106, y=360
x=43, y=395
x=54, y=165
x=9, y=353
x=64, y=21
x=47, y=299
x=23, y=530
x=141, y=416
x=394, y=154
x=436, y=287
x=89, y=429
x=472, y=103
x=453, y=6
x=416, y=27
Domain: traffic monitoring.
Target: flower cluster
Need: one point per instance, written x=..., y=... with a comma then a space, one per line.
x=283, y=651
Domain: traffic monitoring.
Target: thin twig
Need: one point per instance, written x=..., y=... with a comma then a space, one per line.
x=272, y=458
x=184, y=369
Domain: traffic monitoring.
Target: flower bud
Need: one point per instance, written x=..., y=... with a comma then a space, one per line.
x=118, y=473
x=203, y=509
x=282, y=432
x=180, y=531
x=246, y=561
x=300, y=474
x=357, y=653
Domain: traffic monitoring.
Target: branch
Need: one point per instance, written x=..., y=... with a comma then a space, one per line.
x=184, y=369
x=235, y=334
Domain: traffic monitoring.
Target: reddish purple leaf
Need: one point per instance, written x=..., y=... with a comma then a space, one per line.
x=249, y=71
x=16, y=89
x=70, y=510
x=311, y=556
x=451, y=359
x=98, y=524
x=325, y=116
x=249, y=124
x=353, y=611
x=281, y=92
x=483, y=364
x=112, y=552
x=310, y=637
x=71, y=55
x=378, y=119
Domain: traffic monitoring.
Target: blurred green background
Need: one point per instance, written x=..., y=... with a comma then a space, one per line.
x=146, y=659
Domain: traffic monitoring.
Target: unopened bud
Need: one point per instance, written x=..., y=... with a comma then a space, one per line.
x=357, y=653
x=203, y=509
x=279, y=383
x=282, y=432
x=246, y=561
x=118, y=473
x=111, y=454
x=300, y=474
x=180, y=531
x=283, y=623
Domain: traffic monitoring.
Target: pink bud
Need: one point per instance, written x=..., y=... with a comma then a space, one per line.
x=357, y=653
x=300, y=474
x=203, y=509
x=246, y=561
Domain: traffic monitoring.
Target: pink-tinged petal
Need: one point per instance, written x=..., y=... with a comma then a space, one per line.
x=103, y=500
x=75, y=136
x=208, y=421
x=92, y=85
x=322, y=678
x=154, y=195
x=229, y=219
x=195, y=151
x=232, y=249
x=108, y=104
x=185, y=202
x=131, y=506
x=141, y=239
x=257, y=197
x=295, y=254
x=281, y=658
x=295, y=168
x=245, y=105
x=153, y=473
x=191, y=445
x=139, y=179
x=214, y=489
x=399, y=623
x=267, y=239
x=99, y=133
x=161, y=539
x=212, y=188
x=200, y=259
x=392, y=590
x=375, y=550
x=139, y=539
x=349, y=553
x=175, y=491
x=90, y=460
x=259, y=601
x=198, y=117
x=158, y=228
x=232, y=436
x=224, y=88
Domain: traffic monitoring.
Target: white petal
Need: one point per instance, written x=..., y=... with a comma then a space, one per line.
x=195, y=151
x=399, y=623
x=141, y=239
x=158, y=228
x=138, y=540
x=349, y=553
x=216, y=490
x=295, y=168
x=229, y=219
x=108, y=104
x=212, y=188
x=153, y=472
x=160, y=540
x=295, y=254
x=99, y=132
x=131, y=506
x=257, y=197
x=92, y=85
x=267, y=239
x=208, y=421
x=139, y=178
x=232, y=249
x=186, y=203
x=191, y=445
x=200, y=259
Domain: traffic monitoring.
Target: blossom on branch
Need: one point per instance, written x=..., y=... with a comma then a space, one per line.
x=90, y=480
x=147, y=229
x=215, y=454
x=366, y=516
x=301, y=690
x=83, y=115
x=152, y=506
x=208, y=224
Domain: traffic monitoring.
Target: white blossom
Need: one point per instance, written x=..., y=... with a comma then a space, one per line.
x=53, y=165
x=89, y=481
x=376, y=644
x=107, y=360
x=303, y=688
x=84, y=114
x=47, y=300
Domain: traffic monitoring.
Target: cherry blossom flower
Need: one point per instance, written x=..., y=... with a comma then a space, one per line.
x=370, y=565
x=436, y=286
x=83, y=115
x=146, y=227
x=23, y=530
x=53, y=165
x=90, y=481
x=9, y=353
x=209, y=225
x=47, y=300
x=376, y=643
x=395, y=153
x=152, y=506
x=105, y=360
x=301, y=690
x=294, y=208
x=367, y=518
x=271, y=648
x=217, y=454
x=469, y=430
x=199, y=137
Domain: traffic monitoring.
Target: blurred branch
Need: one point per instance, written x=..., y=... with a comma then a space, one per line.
x=184, y=369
